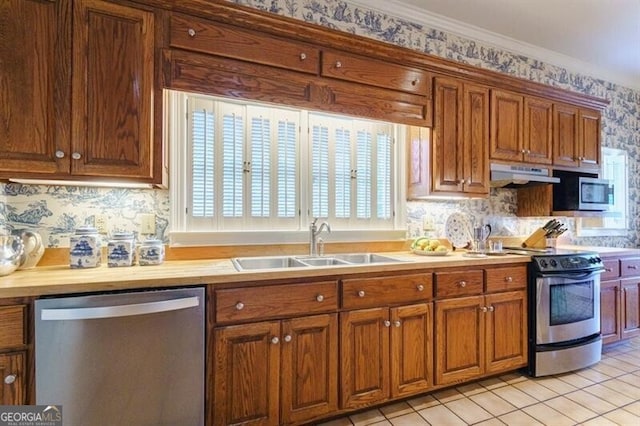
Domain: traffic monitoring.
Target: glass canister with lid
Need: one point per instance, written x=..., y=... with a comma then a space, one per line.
x=85, y=248
x=151, y=252
x=121, y=249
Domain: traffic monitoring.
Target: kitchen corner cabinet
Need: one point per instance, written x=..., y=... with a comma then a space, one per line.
x=576, y=134
x=521, y=128
x=13, y=372
x=34, y=47
x=385, y=351
x=477, y=332
x=275, y=372
x=459, y=159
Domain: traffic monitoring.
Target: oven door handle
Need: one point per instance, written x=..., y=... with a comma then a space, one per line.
x=574, y=276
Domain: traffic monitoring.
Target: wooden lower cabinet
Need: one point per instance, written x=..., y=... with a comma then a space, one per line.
x=13, y=375
x=610, y=314
x=478, y=335
x=630, y=307
x=385, y=352
x=275, y=372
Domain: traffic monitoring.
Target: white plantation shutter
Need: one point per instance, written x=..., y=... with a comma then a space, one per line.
x=260, y=145
x=233, y=164
x=342, y=148
x=320, y=171
x=202, y=130
x=383, y=175
x=363, y=176
x=287, y=168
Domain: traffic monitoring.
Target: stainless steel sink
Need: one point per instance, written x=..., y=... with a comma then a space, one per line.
x=365, y=258
x=283, y=262
x=266, y=262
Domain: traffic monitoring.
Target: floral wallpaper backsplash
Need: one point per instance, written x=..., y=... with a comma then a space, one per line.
x=55, y=211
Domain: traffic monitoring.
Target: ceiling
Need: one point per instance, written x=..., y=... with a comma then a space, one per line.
x=600, y=38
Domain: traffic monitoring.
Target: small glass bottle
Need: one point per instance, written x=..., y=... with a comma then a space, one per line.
x=121, y=249
x=151, y=252
x=85, y=248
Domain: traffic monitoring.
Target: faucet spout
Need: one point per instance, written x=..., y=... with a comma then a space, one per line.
x=314, y=232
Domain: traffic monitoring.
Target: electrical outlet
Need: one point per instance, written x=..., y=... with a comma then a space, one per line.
x=147, y=223
x=100, y=223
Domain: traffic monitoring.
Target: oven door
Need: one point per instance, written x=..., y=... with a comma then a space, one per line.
x=567, y=306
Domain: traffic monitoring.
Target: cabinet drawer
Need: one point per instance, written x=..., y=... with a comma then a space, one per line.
x=507, y=278
x=463, y=283
x=12, y=326
x=611, y=269
x=630, y=267
x=363, y=70
x=232, y=42
x=380, y=291
x=238, y=304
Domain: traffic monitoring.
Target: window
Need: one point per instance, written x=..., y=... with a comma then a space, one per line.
x=241, y=166
x=613, y=222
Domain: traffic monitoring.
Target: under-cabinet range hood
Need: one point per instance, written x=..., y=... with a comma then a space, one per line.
x=515, y=176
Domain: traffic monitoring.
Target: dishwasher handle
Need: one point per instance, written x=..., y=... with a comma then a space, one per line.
x=118, y=310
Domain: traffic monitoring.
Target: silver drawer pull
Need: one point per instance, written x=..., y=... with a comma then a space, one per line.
x=10, y=379
x=420, y=287
x=387, y=323
x=191, y=32
x=275, y=340
x=239, y=306
x=320, y=298
x=303, y=56
x=338, y=64
x=59, y=154
x=462, y=284
x=508, y=279
x=361, y=293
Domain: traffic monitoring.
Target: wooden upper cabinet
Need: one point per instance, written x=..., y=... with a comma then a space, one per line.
x=589, y=142
x=538, y=133
x=506, y=126
x=199, y=35
x=33, y=72
x=113, y=92
x=475, y=163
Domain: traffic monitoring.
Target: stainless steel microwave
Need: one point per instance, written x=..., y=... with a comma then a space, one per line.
x=582, y=192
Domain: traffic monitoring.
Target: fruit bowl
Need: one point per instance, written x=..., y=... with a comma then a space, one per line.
x=430, y=253
x=424, y=246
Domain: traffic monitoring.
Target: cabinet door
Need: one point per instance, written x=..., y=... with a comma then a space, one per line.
x=13, y=375
x=411, y=349
x=630, y=307
x=565, y=135
x=476, y=139
x=247, y=374
x=589, y=139
x=506, y=343
x=538, y=135
x=112, y=111
x=33, y=73
x=506, y=126
x=364, y=355
x=309, y=367
x=446, y=152
x=418, y=183
x=610, y=311
x=460, y=331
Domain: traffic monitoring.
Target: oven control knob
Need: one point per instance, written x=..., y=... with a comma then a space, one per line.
x=543, y=263
x=553, y=263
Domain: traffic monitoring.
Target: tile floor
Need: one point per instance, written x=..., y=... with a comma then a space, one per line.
x=607, y=393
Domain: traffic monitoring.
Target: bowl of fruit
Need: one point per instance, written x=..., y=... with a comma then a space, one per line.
x=429, y=247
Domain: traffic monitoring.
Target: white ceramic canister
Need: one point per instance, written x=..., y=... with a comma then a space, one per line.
x=85, y=248
x=151, y=252
x=121, y=249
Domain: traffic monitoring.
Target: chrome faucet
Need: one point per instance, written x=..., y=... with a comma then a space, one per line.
x=314, y=231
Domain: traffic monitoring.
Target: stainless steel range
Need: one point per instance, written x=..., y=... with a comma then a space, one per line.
x=564, y=312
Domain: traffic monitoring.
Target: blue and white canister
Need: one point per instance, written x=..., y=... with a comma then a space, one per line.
x=85, y=248
x=121, y=249
x=151, y=252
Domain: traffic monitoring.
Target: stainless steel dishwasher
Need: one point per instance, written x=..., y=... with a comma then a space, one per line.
x=133, y=358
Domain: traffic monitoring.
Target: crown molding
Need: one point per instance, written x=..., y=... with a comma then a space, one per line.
x=433, y=20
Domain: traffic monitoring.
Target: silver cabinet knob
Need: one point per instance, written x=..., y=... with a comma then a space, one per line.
x=361, y=293
x=461, y=182
x=462, y=284
x=76, y=156
x=9, y=379
x=287, y=338
x=420, y=287
x=191, y=32
x=239, y=306
x=275, y=340
x=508, y=279
x=397, y=323
x=484, y=309
x=491, y=309
x=415, y=82
x=528, y=151
x=303, y=56
x=59, y=154
x=523, y=151
x=320, y=298
x=338, y=64
x=387, y=323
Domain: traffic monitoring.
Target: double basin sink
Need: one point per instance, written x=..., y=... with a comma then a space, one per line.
x=283, y=262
